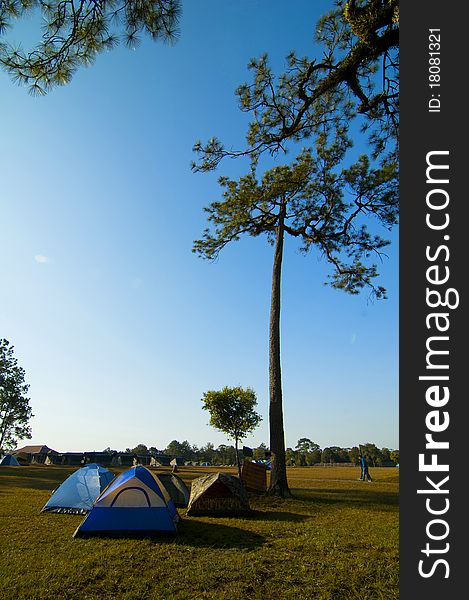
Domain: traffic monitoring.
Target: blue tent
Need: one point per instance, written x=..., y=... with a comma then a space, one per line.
x=9, y=461
x=135, y=503
x=78, y=492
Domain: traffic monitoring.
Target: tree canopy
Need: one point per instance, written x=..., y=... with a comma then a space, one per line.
x=356, y=75
x=75, y=31
x=317, y=201
x=15, y=412
x=232, y=411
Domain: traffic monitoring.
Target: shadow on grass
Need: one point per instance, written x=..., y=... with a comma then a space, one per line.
x=275, y=515
x=192, y=532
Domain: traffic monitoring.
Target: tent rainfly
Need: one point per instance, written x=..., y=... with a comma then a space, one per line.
x=80, y=490
x=176, y=488
x=218, y=494
x=136, y=503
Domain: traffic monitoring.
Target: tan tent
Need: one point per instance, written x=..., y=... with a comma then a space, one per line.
x=218, y=494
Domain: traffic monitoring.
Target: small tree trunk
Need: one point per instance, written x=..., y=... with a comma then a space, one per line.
x=237, y=458
x=278, y=474
x=3, y=428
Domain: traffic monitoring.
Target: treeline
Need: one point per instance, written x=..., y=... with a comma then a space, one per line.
x=305, y=453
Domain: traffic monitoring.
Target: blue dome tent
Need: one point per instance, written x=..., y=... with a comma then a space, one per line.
x=9, y=461
x=78, y=492
x=135, y=503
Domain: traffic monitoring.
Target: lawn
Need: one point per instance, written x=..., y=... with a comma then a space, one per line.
x=337, y=539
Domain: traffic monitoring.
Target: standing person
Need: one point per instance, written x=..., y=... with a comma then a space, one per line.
x=365, y=473
x=362, y=460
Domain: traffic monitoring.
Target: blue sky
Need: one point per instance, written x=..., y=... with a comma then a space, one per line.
x=120, y=328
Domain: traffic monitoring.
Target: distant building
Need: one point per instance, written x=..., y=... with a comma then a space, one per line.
x=101, y=458
x=142, y=459
x=73, y=458
x=35, y=454
x=36, y=450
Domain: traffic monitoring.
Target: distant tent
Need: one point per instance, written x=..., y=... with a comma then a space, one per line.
x=176, y=488
x=78, y=492
x=53, y=459
x=218, y=494
x=178, y=461
x=22, y=458
x=160, y=460
x=9, y=461
x=135, y=503
x=124, y=459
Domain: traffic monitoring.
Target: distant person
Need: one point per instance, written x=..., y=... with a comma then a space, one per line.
x=360, y=461
x=365, y=475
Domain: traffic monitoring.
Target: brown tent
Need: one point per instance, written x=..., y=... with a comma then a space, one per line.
x=218, y=494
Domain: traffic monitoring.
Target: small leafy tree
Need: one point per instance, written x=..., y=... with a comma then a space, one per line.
x=15, y=411
x=232, y=411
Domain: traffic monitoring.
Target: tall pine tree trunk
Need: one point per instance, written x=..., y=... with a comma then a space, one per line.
x=278, y=473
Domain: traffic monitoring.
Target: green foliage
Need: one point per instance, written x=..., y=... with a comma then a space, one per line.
x=232, y=411
x=356, y=76
x=306, y=453
x=306, y=445
x=15, y=412
x=326, y=205
x=372, y=453
x=259, y=452
x=139, y=449
x=175, y=448
x=334, y=454
x=75, y=31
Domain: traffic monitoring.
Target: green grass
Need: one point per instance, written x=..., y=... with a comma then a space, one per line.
x=336, y=540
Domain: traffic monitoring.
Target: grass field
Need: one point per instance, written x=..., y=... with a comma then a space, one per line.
x=336, y=540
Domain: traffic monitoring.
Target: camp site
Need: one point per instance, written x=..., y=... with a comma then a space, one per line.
x=337, y=537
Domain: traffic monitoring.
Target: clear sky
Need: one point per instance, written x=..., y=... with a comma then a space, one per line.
x=120, y=328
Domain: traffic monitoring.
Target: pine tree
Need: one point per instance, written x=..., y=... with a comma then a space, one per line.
x=76, y=31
